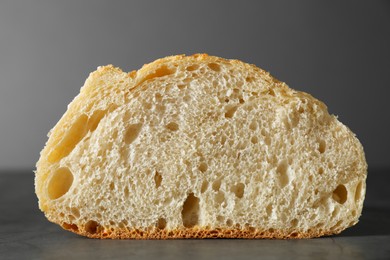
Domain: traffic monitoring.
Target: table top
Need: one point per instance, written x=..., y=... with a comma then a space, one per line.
x=26, y=234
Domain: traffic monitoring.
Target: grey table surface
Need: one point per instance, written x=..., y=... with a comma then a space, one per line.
x=26, y=234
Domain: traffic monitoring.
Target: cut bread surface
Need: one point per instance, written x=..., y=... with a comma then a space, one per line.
x=199, y=146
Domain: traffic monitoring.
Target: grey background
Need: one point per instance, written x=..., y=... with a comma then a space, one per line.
x=337, y=51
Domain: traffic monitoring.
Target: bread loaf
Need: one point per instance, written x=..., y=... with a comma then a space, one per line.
x=199, y=147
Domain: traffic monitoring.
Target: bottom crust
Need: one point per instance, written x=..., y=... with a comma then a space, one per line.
x=196, y=232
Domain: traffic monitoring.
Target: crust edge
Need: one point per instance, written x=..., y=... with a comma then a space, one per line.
x=197, y=233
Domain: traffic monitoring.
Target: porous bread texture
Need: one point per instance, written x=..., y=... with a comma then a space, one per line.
x=199, y=146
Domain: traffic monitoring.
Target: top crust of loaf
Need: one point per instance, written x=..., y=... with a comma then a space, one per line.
x=111, y=98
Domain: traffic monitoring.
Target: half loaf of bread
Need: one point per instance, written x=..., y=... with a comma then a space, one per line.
x=199, y=147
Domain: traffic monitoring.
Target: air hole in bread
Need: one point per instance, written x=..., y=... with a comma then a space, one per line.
x=126, y=191
x=147, y=105
x=220, y=198
x=214, y=67
x=220, y=218
x=320, y=170
x=294, y=120
x=323, y=200
x=167, y=201
x=269, y=209
x=267, y=138
x=136, y=94
x=249, y=79
x=187, y=79
x=60, y=183
x=172, y=126
x=271, y=230
x=72, y=227
x=161, y=223
x=238, y=190
x=160, y=72
x=229, y=222
x=204, y=186
x=71, y=218
x=294, y=222
x=230, y=110
x=223, y=139
x=235, y=94
x=337, y=225
x=254, y=140
x=157, y=179
x=330, y=165
x=74, y=135
x=340, y=194
x=121, y=225
x=94, y=120
x=132, y=133
x=181, y=87
x=321, y=146
x=91, y=227
x=282, y=173
x=160, y=108
x=249, y=227
x=192, y=67
x=158, y=97
x=294, y=234
x=75, y=212
x=251, y=106
x=358, y=192
x=253, y=125
x=217, y=184
x=335, y=212
x=190, y=211
x=203, y=167
x=186, y=99
x=112, y=186
x=271, y=92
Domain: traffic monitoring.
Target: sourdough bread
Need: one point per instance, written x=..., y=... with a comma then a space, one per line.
x=199, y=147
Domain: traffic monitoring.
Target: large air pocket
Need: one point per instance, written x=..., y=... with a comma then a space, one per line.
x=60, y=183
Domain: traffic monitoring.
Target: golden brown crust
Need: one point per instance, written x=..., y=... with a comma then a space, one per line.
x=196, y=232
